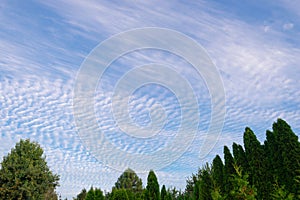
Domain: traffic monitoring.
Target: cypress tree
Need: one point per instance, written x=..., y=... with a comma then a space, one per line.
x=152, y=189
x=228, y=170
x=257, y=164
x=218, y=173
x=239, y=156
x=205, y=186
x=163, y=193
x=288, y=148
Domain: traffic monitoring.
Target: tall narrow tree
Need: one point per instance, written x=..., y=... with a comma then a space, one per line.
x=163, y=193
x=257, y=163
x=240, y=156
x=218, y=174
x=288, y=148
x=152, y=188
x=228, y=170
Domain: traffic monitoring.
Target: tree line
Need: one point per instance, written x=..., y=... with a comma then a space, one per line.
x=270, y=170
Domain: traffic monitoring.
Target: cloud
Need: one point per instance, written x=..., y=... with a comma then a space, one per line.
x=288, y=26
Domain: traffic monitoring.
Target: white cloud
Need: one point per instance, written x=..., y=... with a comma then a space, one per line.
x=288, y=26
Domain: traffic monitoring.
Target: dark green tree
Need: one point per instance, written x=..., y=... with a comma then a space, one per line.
x=228, y=170
x=152, y=188
x=81, y=195
x=196, y=192
x=257, y=164
x=131, y=183
x=90, y=194
x=129, y=180
x=239, y=156
x=288, y=148
x=24, y=173
x=94, y=194
x=190, y=190
x=205, y=186
x=218, y=174
x=98, y=194
x=163, y=193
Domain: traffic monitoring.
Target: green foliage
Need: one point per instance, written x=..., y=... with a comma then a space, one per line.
x=218, y=174
x=81, y=195
x=94, y=194
x=205, y=186
x=163, y=193
x=119, y=194
x=239, y=155
x=173, y=193
x=242, y=190
x=228, y=170
x=24, y=173
x=152, y=189
x=288, y=146
x=216, y=194
x=129, y=180
x=281, y=194
x=257, y=169
x=131, y=183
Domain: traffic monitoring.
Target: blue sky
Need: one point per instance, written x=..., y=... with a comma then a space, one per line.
x=255, y=46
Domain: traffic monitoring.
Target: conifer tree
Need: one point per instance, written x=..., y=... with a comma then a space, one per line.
x=163, y=193
x=218, y=173
x=257, y=164
x=239, y=156
x=205, y=186
x=24, y=173
x=288, y=148
x=228, y=170
x=119, y=194
x=152, y=189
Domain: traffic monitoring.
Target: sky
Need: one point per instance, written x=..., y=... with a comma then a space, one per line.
x=254, y=52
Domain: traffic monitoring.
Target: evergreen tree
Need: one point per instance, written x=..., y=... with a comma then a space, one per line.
x=152, y=189
x=190, y=187
x=119, y=194
x=24, y=173
x=163, y=193
x=131, y=183
x=218, y=174
x=228, y=170
x=239, y=156
x=90, y=194
x=94, y=194
x=81, y=195
x=205, y=186
x=288, y=148
x=257, y=164
x=196, y=192
x=98, y=194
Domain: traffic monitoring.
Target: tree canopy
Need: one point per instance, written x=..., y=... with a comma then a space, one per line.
x=24, y=173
